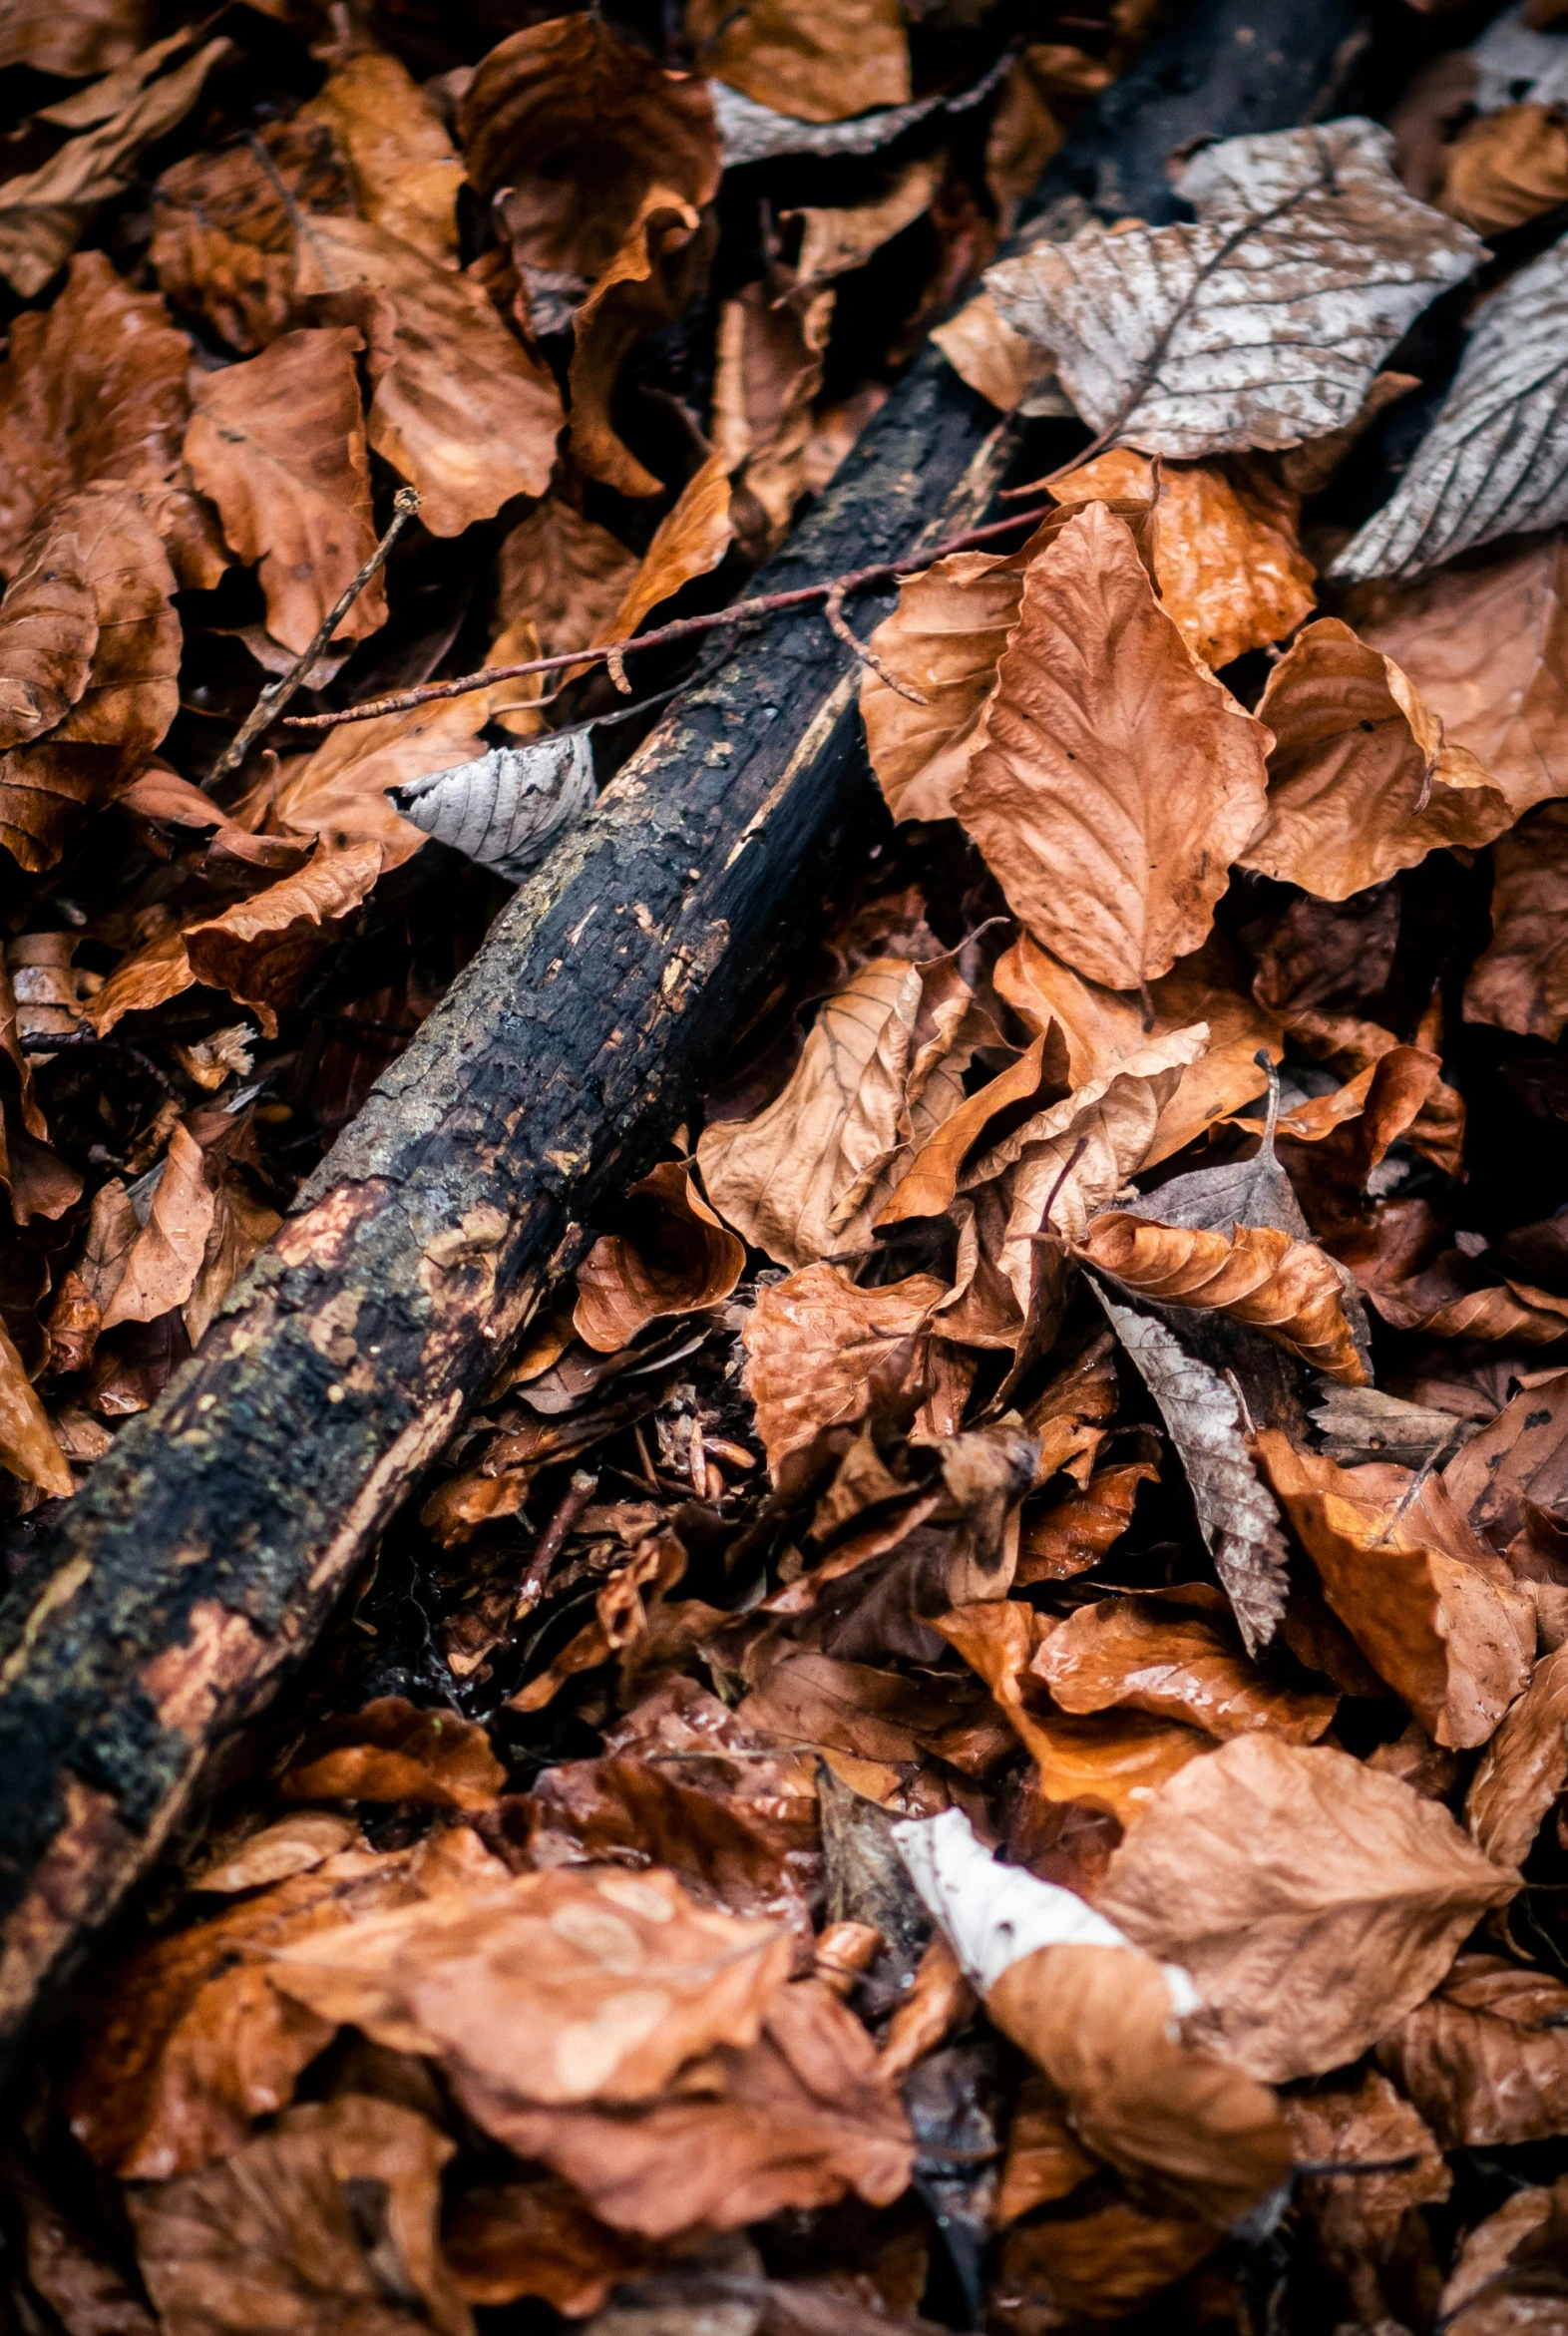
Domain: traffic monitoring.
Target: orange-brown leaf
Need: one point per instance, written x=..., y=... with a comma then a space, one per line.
x=678, y=1259
x=1119, y=1653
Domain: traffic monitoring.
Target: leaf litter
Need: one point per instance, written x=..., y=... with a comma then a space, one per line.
x=973, y=1728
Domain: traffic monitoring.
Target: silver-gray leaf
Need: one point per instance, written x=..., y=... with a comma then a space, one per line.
x=506, y=809
x=1263, y=324
x=1236, y=1514
x=753, y=133
x=1495, y=461
x=1513, y=62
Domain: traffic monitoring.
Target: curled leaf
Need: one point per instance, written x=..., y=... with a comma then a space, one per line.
x=1288, y=1290
x=678, y=1259
x=820, y=61
x=508, y=807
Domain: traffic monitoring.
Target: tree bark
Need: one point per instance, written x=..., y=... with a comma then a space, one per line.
x=204, y=1554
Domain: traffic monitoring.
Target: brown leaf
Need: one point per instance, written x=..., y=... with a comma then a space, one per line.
x=879, y=1074
x=797, y=2119
x=86, y=39
x=507, y=2239
x=1363, y=779
x=689, y=540
x=770, y=362
x=223, y=228
x=563, y=575
x=1205, y=2137
x=186, y=2041
x=93, y=387
x=279, y=445
x=1098, y=2265
x=1288, y=1290
x=1314, y=1901
x=1519, y=1459
x=941, y=2000
x=578, y=126
x=1485, y=2058
x=804, y=1698
x=1449, y=1639
x=260, y=949
x=332, y=2213
x=1524, y=1767
x=86, y=2293
x=1508, y=2280
x=581, y=1984
x=459, y=409
x=242, y=1228
x=834, y=242
x=1110, y=834
x=678, y=1259
x=1077, y=1531
x=1507, y=168
x=1520, y=979
x=1045, y=2160
x=29, y=1448
x=144, y=979
x=815, y=60
x=392, y=1751
x=818, y=1347
x=295, y=1844
x=103, y=552
x=647, y=283
x=1367, y=2228
x=1175, y=1665
x=1226, y=563
x=406, y=171
x=339, y=792
x=166, y=1258
x=998, y=363
x=43, y=213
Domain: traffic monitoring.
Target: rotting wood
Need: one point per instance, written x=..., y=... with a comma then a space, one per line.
x=206, y=1551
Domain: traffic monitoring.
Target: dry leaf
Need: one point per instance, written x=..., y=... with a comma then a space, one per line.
x=1261, y=325
x=1077, y=1531
x=1450, y=1639
x=392, y=1751
x=819, y=1347
x=459, y=410
x=536, y=2238
x=343, y=792
x=675, y=1259
x=1366, y=2225
x=811, y=61
x=689, y=540
x=1288, y=1290
x=1495, y=461
x=242, y=1228
x=506, y=809
x=406, y=171
x=29, y=1448
x=1508, y=2280
x=834, y=242
x=1095, y=2266
x=1313, y=1900
x=770, y=361
x=161, y=1269
x=564, y=576
x=223, y=231
x=260, y=949
x=1507, y=168
x=44, y=212
x=579, y=125
x=1226, y=559
x=1045, y=2158
x=998, y=363
x=279, y=445
x=648, y=282
x=1236, y=1516
x=90, y=37
x=1110, y=834
x=1520, y=979
x=332, y=2213
x=1363, y=780
x=1524, y=1767
x=1485, y=2058
x=1519, y=1459
x=1177, y=1666
x=295, y=1844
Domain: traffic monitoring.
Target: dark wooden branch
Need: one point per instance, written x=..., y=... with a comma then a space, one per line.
x=204, y=1554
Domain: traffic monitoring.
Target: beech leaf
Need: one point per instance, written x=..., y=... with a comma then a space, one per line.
x=1485, y=2058
x=1520, y=979
x=508, y=807
x=815, y=60
x=677, y=1259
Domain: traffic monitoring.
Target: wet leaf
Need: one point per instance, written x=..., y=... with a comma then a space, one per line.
x=1313, y=1900
x=1289, y=1290
x=506, y=809
x=1080, y=1529
x=1263, y=323
x=679, y=1259
x=392, y=1751
x=1175, y=1665
x=1110, y=834
x=815, y=60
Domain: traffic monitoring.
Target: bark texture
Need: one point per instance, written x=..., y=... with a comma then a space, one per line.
x=207, y=1549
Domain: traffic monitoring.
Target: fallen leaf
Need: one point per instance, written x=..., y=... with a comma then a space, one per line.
x=1524, y=1767
x=223, y=234
x=1495, y=461
x=1238, y=1519
x=44, y=212
x=813, y=62
x=1485, y=2058
x=1045, y=2158
x=1100, y=2264
x=689, y=540
x=677, y=1259
x=536, y=2238
x=1081, y=1528
x=1508, y=2280
x=241, y=1229
x=804, y=1698
x=998, y=363
x=1226, y=563
x=88, y=39
x=88, y=2294
x=506, y=809
x=162, y=1268
x=1313, y=1900
x=279, y=445
x=295, y=1844
x=1450, y=1639
x=1507, y=168
x=29, y=1448
x=818, y=1347
x=833, y=241
x=406, y=171
x=1367, y=2225
x=563, y=575
x=459, y=409
x=334, y=2210
x=1119, y=1653
x=1520, y=979
x=1519, y=1459
x=647, y=283
x=1289, y=1290
x=392, y=1751
x=940, y=2000
x=770, y=365
x=342, y=791
x=260, y=949
x=1261, y=325
x=1111, y=835
x=1362, y=778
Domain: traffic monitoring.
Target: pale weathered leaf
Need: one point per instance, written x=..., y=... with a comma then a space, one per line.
x=506, y=809
x=1236, y=1515
x=1261, y=325
x=1495, y=461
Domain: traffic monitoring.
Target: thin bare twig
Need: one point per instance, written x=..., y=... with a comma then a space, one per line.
x=685, y=628
x=277, y=693
x=579, y=1491
x=838, y=625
